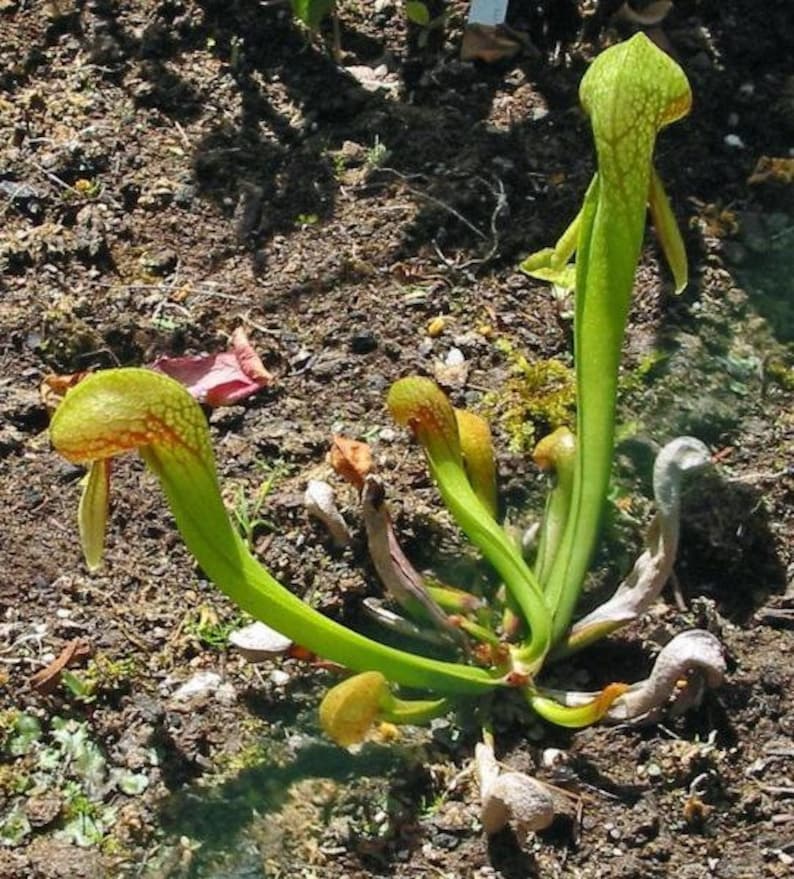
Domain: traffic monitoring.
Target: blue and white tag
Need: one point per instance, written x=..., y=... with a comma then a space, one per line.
x=488, y=12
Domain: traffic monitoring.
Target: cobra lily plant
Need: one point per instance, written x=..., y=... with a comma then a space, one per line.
x=505, y=640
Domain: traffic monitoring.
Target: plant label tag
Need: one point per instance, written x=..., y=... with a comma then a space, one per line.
x=488, y=12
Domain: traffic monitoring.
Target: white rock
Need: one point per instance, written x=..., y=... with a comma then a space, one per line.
x=201, y=684
x=279, y=677
x=226, y=694
x=553, y=758
x=258, y=642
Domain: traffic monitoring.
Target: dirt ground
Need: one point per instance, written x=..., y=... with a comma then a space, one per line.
x=173, y=169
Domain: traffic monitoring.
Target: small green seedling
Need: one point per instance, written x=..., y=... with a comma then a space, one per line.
x=630, y=92
x=247, y=511
x=312, y=12
x=418, y=13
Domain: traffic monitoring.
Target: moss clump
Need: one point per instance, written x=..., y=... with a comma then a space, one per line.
x=636, y=381
x=778, y=373
x=102, y=676
x=537, y=397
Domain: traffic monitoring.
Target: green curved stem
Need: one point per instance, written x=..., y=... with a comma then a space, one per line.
x=486, y=534
x=421, y=405
x=575, y=716
x=554, y=452
x=120, y=410
x=414, y=711
x=630, y=92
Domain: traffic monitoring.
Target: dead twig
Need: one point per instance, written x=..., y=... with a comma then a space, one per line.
x=777, y=790
x=438, y=202
x=47, y=679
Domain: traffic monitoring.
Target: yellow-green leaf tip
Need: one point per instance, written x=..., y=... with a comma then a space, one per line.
x=555, y=450
x=657, y=80
x=476, y=446
x=419, y=404
x=125, y=409
x=578, y=716
x=93, y=512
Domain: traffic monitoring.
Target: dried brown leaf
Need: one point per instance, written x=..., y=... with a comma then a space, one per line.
x=53, y=387
x=769, y=169
x=351, y=459
x=483, y=42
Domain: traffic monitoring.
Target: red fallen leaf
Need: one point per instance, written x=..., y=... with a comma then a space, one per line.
x=219, y=379
x=351, y=459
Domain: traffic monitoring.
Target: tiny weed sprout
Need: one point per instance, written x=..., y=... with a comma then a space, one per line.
x=506, y=639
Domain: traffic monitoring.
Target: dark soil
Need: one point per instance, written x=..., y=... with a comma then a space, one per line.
x=171, y=169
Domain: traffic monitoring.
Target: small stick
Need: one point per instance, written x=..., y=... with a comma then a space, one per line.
x=437, y=201
x=777, y=790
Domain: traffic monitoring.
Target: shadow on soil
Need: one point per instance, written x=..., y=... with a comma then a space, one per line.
x=728, y=534
x=267, y=167
x=727, y=551
x=215, y=816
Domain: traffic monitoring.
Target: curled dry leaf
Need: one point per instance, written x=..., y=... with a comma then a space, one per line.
x=373, y=79
x=644, y=15
x=685, y=667
x=53, y=387
x=653, y=568
x=768, y=169
x=46, y=679
x=320, y=502
x=482, y=42
x=395, y=623
x=220, y=379
x=399, y=577
x=510, y=797
x=351, y=459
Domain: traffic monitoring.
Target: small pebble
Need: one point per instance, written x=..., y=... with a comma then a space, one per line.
x=454, y=357
x=552, y=758
x=363, y=343
x=199, y=685
x=258, y=642
x=279, y=677
x=436, y=326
